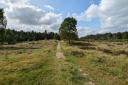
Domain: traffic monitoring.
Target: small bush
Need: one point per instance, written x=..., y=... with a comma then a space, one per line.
x=120, y=52
x=19, y=52
x=117, y=52
x=23, y=51
x=105, y=50
x=110, y=45
x=119, y=43
x=77, y=77
x=125, y=67
x=100, y=59
x=82, y=44
x=77, y=53
x=88, y=48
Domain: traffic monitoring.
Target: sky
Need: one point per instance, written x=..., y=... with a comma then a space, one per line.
x=93, y=16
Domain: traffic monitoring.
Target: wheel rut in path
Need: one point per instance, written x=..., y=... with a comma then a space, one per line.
x=62, y=64
x=59, y=53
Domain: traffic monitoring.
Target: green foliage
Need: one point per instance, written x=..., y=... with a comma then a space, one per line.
x=3, y=24
x=3, y=21
x=68, y=29
x=2, y=35
x=108, y=36
x=13, y=36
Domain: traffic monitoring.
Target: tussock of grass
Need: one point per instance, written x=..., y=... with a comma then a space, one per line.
x=77, y=77
x=105, y=50
x=113, y=52
x=119, y=52
x=77, y=53
x=79, y=43
x=88, y=48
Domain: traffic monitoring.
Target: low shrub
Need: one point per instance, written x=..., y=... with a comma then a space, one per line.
x=88, y=48
x=100, y=59
x=105, y=50
x=82, y=44
x=120, y=52
x=110, y=45
x=77, y=53
x=119, y=43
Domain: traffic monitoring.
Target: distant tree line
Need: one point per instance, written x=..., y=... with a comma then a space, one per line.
x=13, y=36
x=108, y=36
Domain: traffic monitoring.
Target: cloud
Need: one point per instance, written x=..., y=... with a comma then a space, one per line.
x=21, y=13
x=83, y=31
x=26, y=15
x=49, y=7
x=88, y=14
x=114, y=11
x=50, y=18
x=112, y=14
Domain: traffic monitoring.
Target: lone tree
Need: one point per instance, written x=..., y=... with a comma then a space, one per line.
x=68, y=29
x=3, y=24
x=3, y=21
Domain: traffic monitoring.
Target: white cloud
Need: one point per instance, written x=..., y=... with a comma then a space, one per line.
x=113, y=15
x=88, y=14
x=83, y=31
x=24, y=16
x=49, y=7
x=50, y=18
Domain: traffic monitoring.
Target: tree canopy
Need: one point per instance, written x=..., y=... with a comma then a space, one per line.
x=13, y=36
x=3, y=24
x=3, y=21
x=68, y=29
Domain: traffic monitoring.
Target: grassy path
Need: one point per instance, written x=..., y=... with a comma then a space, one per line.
x=59, y=53
x=68, y=73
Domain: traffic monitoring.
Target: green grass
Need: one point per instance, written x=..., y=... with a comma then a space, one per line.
x=103, y=68
x=30, y=66
x=35, y=63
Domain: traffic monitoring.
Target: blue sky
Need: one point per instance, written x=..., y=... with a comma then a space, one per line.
x=68, y=7
x=93, y=16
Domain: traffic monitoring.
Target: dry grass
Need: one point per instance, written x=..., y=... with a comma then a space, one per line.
x=29, y=63
x=34, y=63
x=105, y=65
